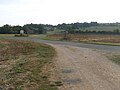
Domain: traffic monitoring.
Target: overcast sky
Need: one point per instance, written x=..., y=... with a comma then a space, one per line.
x=20, y=12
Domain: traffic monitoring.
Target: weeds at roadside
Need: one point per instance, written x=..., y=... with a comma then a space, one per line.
x=116, y=59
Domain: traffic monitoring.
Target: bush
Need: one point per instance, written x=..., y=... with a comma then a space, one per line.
x=21, y=35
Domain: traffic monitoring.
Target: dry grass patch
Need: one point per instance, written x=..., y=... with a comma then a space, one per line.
x=88, y=37
x=21, y=64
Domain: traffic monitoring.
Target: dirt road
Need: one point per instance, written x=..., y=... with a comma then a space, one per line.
x=80, y=67
x=85, y=69
x=93, y=46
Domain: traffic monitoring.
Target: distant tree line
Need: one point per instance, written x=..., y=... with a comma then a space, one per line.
x=28, y=28
x=76, y=25
x=71, y=28
x=8, y=29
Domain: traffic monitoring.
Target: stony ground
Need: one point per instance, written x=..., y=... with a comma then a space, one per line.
x=85, y=69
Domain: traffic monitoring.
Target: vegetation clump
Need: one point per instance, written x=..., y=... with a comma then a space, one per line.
x=21, y=35
x=116, y=59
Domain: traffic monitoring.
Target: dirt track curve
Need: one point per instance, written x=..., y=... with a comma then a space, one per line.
x=80, y=67
x=85, y=69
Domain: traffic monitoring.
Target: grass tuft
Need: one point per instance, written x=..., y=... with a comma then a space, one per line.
x=116, y=59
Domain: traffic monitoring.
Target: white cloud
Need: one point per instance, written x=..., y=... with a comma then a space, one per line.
x=58, y=11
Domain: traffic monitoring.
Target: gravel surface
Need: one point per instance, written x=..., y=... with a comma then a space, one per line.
x=85, y=69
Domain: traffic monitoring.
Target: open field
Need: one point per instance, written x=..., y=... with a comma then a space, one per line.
x=102, y=28
x=89, y=38
x=7, y=35
x=30, y=35
x=24, y=65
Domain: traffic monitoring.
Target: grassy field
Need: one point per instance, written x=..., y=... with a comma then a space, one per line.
x=24, y=65
x=89, y=38
x=30, y=35
x=102, y=28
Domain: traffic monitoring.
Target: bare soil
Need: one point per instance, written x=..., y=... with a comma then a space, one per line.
x=85, y=69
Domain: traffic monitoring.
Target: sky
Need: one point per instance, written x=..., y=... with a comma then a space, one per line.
x=20, y=12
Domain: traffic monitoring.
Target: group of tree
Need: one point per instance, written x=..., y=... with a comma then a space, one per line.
x=28, y=28
x=43, y=28
x=76, y=25
x=8, y=29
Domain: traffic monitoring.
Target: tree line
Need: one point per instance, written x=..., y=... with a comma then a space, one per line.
x=43, y=28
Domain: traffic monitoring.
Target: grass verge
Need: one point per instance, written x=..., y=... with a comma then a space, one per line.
x=103, y=43
x=52, y=39
x=112, y=40
x=22, y=63
x=116, y=59
x=87, y=42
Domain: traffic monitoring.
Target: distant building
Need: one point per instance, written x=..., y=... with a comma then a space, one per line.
x=21, y=31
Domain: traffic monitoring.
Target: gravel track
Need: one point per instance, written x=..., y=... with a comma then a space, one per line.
x=85, y=69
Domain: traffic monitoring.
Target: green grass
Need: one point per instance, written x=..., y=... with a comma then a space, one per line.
x=30, y=35
x=7, y=34
x=102, y=28
x=116, y=59
x=52, y=39
x=21, y=35
x=55, y=31
x=104, y=43
x=26, y=61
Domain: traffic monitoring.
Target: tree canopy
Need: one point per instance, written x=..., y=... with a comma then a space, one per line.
x=71, y=28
